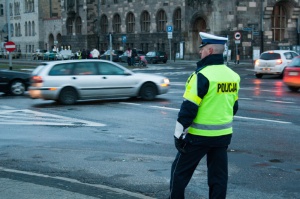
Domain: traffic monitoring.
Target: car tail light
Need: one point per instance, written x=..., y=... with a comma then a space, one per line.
x=278, y=61
x=36, y=79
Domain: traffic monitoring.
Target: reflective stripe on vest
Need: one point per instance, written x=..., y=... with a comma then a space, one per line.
x=211, y=126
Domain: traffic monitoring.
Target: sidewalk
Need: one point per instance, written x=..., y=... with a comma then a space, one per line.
x=28, y=185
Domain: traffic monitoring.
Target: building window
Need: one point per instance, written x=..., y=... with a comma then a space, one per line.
x=117, y=23
x=33, y=28
x=115, y=1
x=26, y=33
x=130, y=23
x=11, y=9
x=103, y=2
x=161, y=21
x=29, y=28
x=177, y=20
x=1, y=10
x=104, y=24
x=69, y=26
x=78, y=25
x=145, y=22
x=278, y=23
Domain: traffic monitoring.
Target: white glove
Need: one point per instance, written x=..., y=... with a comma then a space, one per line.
x=179, y=131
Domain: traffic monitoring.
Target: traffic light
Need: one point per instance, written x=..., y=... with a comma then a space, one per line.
x=6, y=38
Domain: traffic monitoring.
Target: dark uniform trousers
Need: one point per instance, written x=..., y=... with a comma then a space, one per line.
x=184, y=165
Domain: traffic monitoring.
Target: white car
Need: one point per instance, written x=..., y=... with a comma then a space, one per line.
x=273, y=62
x=72, y=80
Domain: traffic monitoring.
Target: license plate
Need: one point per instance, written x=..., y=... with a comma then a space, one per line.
x=293, y=73
x=266, y=69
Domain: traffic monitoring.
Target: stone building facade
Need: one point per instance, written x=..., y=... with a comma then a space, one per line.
x=85, y=24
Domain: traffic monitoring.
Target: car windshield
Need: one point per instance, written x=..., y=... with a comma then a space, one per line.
x=295, y=62
x=150, y=54
x=270, y=56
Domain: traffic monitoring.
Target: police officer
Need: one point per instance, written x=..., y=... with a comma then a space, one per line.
x=204, y=124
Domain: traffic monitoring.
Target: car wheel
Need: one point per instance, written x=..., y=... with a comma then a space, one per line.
x=68, y=96
x=293, y=88
x=17, y=88
x=148, y=91
x=165, y=61
x=258, y=75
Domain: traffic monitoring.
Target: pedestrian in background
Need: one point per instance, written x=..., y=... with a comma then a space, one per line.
x=204, y=123
x=129, y=53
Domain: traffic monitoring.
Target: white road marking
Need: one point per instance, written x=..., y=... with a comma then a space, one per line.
x=29, y=117
x=117, y=190
x=240, y=117
x=282, y=102
x=265, y=120
x=245, y=99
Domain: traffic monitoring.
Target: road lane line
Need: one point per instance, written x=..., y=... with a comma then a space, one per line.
x=117, y=190
x=241, y=117
x=265, y=120
x=282, y=102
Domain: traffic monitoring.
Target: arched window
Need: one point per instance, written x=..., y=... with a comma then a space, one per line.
x=29, y=28
x=78, y=25
x=145, y=22
x=278, y=22
x=26, y=33
x=177, y=20
x=33, y=28
x=161, y=21
x=117, y=23
x=130, y=23
x=69, y=26
x=104, y=24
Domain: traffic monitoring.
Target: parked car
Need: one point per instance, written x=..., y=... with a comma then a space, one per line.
x=153, y=57
x=52, y=55
x=273, y=62
x=71, y=80
x=115, y=55
x=138, y=52
x=39, y=54
x=13, y=82
x=291, y=75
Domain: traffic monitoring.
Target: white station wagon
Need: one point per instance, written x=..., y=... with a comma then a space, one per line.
x=72, y=80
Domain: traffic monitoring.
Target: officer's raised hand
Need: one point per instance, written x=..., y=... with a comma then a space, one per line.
x=179, y=136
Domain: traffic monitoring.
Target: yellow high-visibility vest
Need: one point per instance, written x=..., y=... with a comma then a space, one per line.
x=215, y=113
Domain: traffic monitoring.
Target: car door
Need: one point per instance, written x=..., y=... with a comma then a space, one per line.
x=114, y=81
x=85, y=78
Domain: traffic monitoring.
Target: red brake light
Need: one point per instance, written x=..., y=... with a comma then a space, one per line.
x=36, y=79
x=279, y=61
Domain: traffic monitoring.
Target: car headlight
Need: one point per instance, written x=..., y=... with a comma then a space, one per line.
x=165, y=82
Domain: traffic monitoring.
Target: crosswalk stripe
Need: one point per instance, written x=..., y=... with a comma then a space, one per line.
x=29, y=117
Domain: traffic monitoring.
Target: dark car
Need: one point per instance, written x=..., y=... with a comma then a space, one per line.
x=139, y=53
x=39, y=54
x=115, y=55
x=13, y=82
x=153, y=57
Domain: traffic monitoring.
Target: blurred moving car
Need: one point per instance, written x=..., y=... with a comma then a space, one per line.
x=273, y=62
x=291, y=75
x=72, y=80
x=115, y=55
x=39, y=54
x=13, y=82
x=153, y=57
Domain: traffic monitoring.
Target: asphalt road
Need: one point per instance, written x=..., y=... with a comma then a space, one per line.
x=128, y=144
